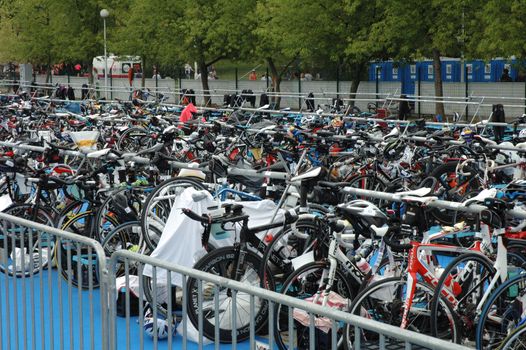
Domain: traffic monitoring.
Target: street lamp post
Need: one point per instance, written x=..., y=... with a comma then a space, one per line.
x=105, y=13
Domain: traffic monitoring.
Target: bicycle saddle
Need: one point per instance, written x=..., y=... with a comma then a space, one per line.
x=98, y=154
x=309, y=175
x=487, y=193
x=421, y=192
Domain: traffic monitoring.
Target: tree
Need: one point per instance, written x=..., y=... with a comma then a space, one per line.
x=502, y=28
x=211, y=30
x=411, y=29
x=334, y=32
x=272, y=43
x=145, y=29
x=49, y=31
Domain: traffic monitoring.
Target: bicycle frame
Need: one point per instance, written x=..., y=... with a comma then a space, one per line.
x=417, y=267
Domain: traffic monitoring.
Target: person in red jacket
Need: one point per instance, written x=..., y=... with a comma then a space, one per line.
x=131, y=75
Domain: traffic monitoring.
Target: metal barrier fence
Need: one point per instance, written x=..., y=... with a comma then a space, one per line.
x=209, y=293
x=41, y=309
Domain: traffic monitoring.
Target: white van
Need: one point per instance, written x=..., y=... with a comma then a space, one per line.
x=118, y=66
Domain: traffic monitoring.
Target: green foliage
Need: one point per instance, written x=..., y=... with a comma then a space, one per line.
x=285, y=33
x=412, y=29
x=501, y=29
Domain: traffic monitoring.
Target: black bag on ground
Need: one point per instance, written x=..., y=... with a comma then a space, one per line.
x=121, y=304
x=322, y=340
x=71, y=93
x=263, y=100
x=248, y=95
x=498, y=116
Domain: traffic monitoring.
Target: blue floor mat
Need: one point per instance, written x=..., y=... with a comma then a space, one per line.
x=43, y=331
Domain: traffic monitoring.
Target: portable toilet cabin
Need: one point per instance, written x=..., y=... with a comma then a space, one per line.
x=499, y=64
x=450, y=69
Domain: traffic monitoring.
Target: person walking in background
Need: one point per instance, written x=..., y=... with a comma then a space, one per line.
x=505, y=77
x=253, y=75
x=131, y=75
x=156, y=74
x=188, y=70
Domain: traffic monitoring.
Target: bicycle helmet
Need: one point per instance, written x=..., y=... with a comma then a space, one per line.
x=467, y=134
x=310, y=120
x=162, y=328
x=366, y=211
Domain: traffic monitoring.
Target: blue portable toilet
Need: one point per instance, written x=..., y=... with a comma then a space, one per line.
x=469, y=71
x=394, y=70
x=498, y=65
x=387, y=71
x=372, y=71
x=408, y=78
x=488, y=72
x=478, y=70
x=451, y=70
x=427, y=71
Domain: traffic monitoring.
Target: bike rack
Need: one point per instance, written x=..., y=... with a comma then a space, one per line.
x=432, y=202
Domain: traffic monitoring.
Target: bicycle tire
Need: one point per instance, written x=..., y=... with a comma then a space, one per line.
x=219, y=261
x=389, y=308
x=9, y=239
x=280, y=245
x=127, y=236
x=516, y=340
x=150, y=219
x=501, y=301
x=454, y=266
x=297, y=282
x=69, y=254
x=134, y=145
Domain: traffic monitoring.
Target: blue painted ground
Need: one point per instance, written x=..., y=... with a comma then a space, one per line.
x=44, y=329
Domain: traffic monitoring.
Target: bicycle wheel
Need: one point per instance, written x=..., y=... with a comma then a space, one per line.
x=108, y=208
x=516, y=340
x=383, y=301
x=75, y=261
x=467, y=278
x=127, y=236
x=70, y=210
x=501, y=313
x=221, y=262
x=305, y=283
x=24, y=251
x=158, y=206
x=133, y=140
x=285, y=246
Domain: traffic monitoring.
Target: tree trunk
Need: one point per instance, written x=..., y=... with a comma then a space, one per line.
x=437, y=67
x=276, y=82
x=204, y=81
x=356, y=71
x=48, y=74
x=90, y=74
